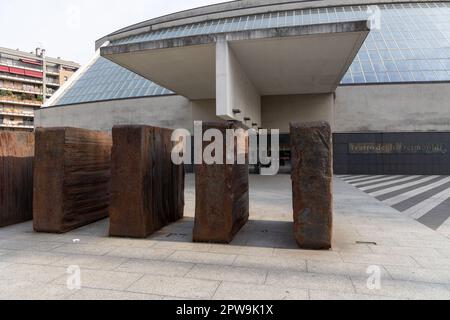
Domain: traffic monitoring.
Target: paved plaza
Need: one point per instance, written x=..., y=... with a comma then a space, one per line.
x=424, y=198
x=263, y=262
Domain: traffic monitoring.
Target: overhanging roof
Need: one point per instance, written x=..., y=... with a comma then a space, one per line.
x=289, y=60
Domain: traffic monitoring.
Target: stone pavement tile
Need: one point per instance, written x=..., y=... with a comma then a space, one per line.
x=66, y=238
x=98, y=229
x=96, y=279
x=343, y=268
x=28, y=245
x=32, y=257
x=101, y=294
x=90, y=262
x=439, y=276
x=406, y=251
x=86, y=249
x=202, y=257
x=183, y=246
x=14, y=289
x=434, y=263
x=175, y=287
x=245, y=291
x=155, y=267
x=241, y=250
x=351, y=248
x=4, y=264
x=31, y=273
x=379, y=259
x=444, y=252
x=439, y=243
x=336, y=295
x=3, y=252
x=126, y=242
x=228, y=273
x=404, y=289
x=329, y=256
x=271, y=263
x=306, y=280
x=141, y=253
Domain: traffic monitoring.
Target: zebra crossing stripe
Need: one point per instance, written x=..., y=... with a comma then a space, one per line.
x=437, y=216
x=357, y=180
x=405, y=185
x=381, y=181
x=396, y=183
x=404, y=196
x=429, y=204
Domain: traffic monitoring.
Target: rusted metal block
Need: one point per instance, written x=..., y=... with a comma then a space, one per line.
x=222, y=193
x=71, y=178
x=16, y=177
x=312, y=183
x=147, y=189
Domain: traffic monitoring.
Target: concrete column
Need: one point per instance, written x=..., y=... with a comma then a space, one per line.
x=234, y=90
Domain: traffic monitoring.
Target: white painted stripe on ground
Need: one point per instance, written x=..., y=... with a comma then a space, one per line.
x=365, y=179
x=388, y=183
x=355, y=177
x=404, y=196
x=405, y=185
x=377, y=180
x=426, y=206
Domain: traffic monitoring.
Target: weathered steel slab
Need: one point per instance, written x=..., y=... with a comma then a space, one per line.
x=16, y=177
x=71, y=178
x=312, y=178
x=147, y=189
x=222, y=194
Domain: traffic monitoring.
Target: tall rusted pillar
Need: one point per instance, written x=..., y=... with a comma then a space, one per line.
x=312, y=182
x=16, y=177
x=147, y=189
x=71, y=178
x=222, y=193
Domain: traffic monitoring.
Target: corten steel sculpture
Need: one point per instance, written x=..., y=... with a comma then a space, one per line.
x=147, y=189
x=71, y=178
x=222, y=193
x=312, y=178
x=16, y=177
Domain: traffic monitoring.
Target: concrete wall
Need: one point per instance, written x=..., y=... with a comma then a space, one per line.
x=166, y=111
x=234, y=90
x=393, y=108
x=204, y=110
x=278, y=111
x=389, y=108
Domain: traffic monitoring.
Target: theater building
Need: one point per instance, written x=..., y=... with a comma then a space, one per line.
x=377, y=71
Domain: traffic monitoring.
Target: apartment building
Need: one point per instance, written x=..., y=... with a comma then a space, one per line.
x=23, y=86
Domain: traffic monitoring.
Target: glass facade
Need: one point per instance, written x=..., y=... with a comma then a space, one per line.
x=105, y=80
x=411, y=45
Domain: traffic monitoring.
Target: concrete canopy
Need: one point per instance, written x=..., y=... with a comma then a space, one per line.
x=277, y=61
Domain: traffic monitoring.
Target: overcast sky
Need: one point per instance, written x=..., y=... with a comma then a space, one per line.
x=69, y=28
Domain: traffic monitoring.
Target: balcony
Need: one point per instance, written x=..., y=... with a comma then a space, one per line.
x=19, y=78
x=27, y=126
x=17, y=113
x=21, y=102
x=11, y=88
x=19, y=64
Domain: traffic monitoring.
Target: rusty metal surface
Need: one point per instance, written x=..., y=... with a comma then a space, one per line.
x=16, y=177
x=147, y=189
x=312, y=178
x=71, y=178
x=222, y=195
